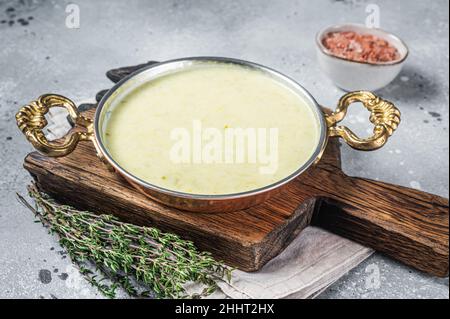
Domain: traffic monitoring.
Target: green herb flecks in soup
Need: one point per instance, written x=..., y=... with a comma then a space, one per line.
x=212, y=129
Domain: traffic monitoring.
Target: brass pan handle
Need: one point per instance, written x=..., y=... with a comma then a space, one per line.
x=383, y=114
x=31, y=121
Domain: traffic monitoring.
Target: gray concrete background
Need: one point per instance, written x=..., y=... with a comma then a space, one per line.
x=39, y=54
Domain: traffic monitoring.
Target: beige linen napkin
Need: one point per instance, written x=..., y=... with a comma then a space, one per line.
x=310, y=264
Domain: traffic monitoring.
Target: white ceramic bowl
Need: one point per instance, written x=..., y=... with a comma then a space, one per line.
x=352, y=75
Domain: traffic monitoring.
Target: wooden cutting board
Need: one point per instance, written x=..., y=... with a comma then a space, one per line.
x=406, y=224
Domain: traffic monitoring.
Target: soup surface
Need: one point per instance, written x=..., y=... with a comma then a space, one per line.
x=211, y=129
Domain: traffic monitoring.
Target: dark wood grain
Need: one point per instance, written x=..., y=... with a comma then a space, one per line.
x=100, y=95
x=245, y=239
x=115, y=75
x=408, y=225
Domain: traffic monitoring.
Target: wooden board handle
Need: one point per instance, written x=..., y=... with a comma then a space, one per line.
x=406, y=224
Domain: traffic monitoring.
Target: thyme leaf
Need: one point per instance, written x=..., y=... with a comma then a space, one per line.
x=142, y=260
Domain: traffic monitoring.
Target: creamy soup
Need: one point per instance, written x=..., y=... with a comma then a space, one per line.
x=212, y=129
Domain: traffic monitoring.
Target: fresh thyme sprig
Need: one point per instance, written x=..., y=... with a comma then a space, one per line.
x=127, y=255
